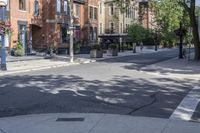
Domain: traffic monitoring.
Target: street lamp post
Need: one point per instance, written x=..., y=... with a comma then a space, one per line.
x=156, y=40
x=181, y=41
x=71, y=28
x=3, y=4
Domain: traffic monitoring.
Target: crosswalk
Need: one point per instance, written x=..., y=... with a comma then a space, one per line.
x=187, y=106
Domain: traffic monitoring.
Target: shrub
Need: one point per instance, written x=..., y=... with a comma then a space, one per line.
x=51, y=49
x=113, y=46
x=96, y=47
x=149, y=41
x=19, y=50
x=77, y=47
x=137, y=32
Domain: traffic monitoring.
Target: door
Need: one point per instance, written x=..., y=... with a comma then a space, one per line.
x=22, y=36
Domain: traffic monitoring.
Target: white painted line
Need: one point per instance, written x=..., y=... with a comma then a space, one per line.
x=188, y=105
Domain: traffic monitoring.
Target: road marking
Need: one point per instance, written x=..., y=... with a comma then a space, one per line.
x=188, y=105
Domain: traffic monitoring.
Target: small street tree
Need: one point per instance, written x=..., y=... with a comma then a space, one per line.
x=137, y=32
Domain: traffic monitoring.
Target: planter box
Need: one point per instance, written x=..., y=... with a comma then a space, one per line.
x=134, y=47
x=96, y=53
x=112, y=52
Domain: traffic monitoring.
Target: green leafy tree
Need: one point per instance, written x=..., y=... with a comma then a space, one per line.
x=137, y=32
x=169, y=14
x=190, y=8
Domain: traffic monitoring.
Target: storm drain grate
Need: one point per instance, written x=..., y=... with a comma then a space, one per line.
x=69, y=119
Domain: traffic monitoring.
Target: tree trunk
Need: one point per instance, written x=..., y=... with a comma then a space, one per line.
x=195, y=31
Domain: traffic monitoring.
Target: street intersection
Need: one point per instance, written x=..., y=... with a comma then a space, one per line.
x=111, y=86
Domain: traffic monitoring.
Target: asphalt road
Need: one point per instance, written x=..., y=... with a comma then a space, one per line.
x=114, y=86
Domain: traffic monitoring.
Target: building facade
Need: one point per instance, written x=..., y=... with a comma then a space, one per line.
x=146, y=15
x=38, y=24
x=21, y=14
x=55, y=24
x=91, y=22
x=113, y=20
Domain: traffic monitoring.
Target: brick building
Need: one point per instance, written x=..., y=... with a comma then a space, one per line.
x=91, y=22
x=55, y=24
x=112, y=20
x=41, y=23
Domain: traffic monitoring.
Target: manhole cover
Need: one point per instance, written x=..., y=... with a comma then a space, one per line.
x=69, y=119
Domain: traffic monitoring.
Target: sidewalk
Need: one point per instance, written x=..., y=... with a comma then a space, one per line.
x=120, y=54
x=32, y=63
x=178, y=68
x=93, y=123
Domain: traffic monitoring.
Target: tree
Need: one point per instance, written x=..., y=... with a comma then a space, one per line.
x=137, y=32
x=172, y=13
x=189, y=6
x=169, y=13
x=167, y=17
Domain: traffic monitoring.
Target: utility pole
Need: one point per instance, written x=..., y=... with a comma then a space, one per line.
x=71, y=28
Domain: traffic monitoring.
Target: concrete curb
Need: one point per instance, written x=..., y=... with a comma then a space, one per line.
x=156, y=72
x=44, y=68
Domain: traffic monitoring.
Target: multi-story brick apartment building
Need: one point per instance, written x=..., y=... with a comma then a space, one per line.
x=41, y=23
x=91, y=22
x=55, y=19
x=20, y=16
x=112, y=20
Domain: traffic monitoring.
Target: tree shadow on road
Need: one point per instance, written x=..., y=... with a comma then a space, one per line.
x=20, y=95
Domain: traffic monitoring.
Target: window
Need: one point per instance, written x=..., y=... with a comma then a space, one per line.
x=78, y=10
x=95, y=33
x=129, y=12
x=121, y=28
x=101, y=28
x=126, y=27
x=126, y=12
x=64, y=34
x=58, y=6
x=91, y=12
x=133, y=13
x=112, y=27
x=36, y=8
x=66, y=7
x=100, y=10
x=111, y=10
x=8, y=5
x=91, y=34
x=95, y=13
x=22, y=5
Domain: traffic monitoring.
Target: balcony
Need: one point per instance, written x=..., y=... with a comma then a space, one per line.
x=37, y=20
x=36, y=17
